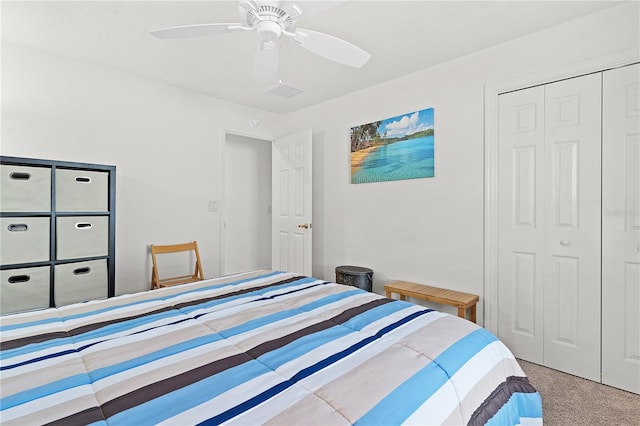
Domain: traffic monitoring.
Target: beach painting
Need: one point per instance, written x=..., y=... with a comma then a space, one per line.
x=393, y=149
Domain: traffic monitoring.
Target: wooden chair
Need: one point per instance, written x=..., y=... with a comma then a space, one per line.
x=157, y=282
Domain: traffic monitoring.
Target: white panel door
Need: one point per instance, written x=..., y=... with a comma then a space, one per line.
x=621, y=228
x=572, y=241
x=292, y=197
x=520, y=218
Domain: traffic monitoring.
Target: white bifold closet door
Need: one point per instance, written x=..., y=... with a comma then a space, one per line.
x=621, y=228
x=549, y=210
x=572, y=248
x=521, y=222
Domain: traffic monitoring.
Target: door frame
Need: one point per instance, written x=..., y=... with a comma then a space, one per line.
x=491, y=93
x=223, y=183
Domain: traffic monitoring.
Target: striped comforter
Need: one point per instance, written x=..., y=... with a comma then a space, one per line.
x=258, y=348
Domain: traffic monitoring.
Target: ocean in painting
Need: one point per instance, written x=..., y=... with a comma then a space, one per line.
x=409, y=159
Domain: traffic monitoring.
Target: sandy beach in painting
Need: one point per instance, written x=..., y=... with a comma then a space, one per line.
x=357, y=158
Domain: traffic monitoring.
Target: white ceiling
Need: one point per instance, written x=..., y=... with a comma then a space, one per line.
x=402, y=36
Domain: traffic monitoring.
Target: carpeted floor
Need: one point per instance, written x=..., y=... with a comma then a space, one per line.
x=571, y=400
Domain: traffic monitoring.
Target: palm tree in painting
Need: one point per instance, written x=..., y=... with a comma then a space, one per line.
x=365, y=135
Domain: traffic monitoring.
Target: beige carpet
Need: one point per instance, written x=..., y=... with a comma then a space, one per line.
x=571, y=400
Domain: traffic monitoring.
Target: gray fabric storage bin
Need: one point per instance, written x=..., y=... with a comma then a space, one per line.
x=25, y=189
x=82, y=191
x=82, y=236
x=80, y=282
x=24, y=239
x=24, y=289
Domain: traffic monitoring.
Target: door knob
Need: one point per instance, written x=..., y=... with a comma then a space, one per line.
x=304, y=226
x=565, y=242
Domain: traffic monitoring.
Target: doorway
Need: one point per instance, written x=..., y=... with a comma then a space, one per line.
x=246, y=204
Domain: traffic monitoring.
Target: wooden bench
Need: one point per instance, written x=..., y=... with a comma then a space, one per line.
x=462, y=301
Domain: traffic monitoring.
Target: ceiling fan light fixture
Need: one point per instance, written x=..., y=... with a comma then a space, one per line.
x=267, y=45
x=268, y=30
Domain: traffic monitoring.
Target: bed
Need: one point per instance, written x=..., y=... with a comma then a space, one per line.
x=263, y=347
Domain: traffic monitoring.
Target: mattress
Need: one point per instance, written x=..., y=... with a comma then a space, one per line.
x=264, y=347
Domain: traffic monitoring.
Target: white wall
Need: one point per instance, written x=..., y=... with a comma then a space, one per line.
x=247, y=209
x=165, y=142
x=431, y=230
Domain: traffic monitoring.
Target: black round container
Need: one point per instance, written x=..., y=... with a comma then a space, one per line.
x=355, y=276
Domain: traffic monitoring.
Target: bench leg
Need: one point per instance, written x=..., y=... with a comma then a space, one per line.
x=472, y=313
x=388, y=295
x=462, y=312
x=403, y=297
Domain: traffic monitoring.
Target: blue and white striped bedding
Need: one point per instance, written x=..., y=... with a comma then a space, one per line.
x=258, y=348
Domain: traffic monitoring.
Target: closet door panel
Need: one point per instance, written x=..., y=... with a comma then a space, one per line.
x=520, y=240
x=621, y=228
x=572, y=226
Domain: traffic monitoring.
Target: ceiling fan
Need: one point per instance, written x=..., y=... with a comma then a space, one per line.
x=271, y=20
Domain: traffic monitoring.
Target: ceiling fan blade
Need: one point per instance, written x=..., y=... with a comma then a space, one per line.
x=266, y=61
x=198, y=30
x=332, y=48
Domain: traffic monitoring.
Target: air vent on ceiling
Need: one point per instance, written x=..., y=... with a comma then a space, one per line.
x=284, y=90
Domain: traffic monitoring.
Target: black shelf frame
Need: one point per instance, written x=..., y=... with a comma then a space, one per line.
x=53, y=165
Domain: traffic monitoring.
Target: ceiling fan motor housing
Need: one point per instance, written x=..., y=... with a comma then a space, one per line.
x=267, y=18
